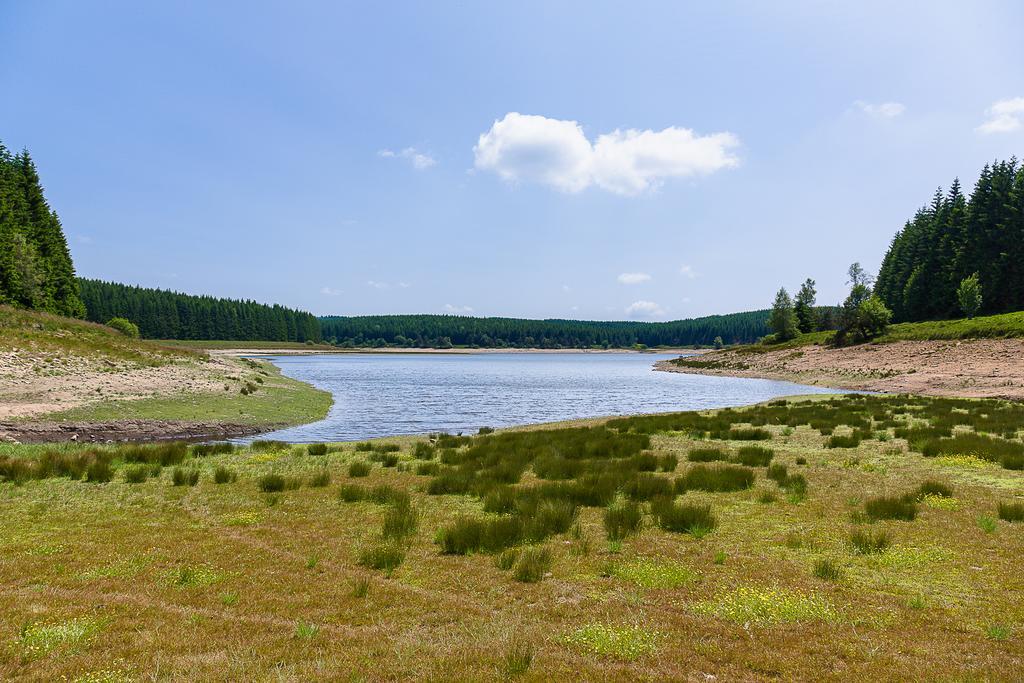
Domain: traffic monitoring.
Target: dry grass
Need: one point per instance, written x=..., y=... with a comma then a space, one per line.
x=214, y=581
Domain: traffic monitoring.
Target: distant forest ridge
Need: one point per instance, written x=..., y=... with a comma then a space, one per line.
x=163, y=314
x=442, y=331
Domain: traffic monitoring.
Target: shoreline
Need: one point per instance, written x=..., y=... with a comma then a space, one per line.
x=978, y=368
x=255, y=351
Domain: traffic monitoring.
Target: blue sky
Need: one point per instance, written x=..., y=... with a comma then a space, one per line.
x=650, y=160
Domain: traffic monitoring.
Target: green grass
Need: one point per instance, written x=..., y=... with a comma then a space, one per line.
x=619, y=642
x=768, y=605
x=649, y=573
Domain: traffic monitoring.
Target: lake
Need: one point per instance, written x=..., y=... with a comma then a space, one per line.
x=390, y=394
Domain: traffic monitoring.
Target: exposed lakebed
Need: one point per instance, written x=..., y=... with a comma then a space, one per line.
x=378, y=395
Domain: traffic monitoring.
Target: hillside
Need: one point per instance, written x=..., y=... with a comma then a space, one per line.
x=61, y=377
x=982, y=357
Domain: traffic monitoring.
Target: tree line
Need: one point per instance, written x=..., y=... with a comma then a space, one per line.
x=36, y=271
x=441, y=331
x=960, y=255
x=163, y=314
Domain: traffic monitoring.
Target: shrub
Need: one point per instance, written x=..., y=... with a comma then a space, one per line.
x=461, y=537
x=363, y=447
x=506, y=559
x=891, y=507
x=755, y=456
x=427, y=468
x=668, y=462
x=518, y=657
x=387, y=556
x=827, y=570
x=184, y=477
x=351, y=493
x=224, y=475
x=500, y=500
x=777, y=473
x=1011, y=512
x=483, y=431
x=934, y=488
x=384, y=494
x=317, y=449
x=136, y=474
x=801, y=460
x=423, y=451
x=267, y=445
x=360, y=587
x=204, y=449
x=696, y=520
x=271, y=483
x=838, y=441
x=320, y=479
x=389, y=459
x=533, y=563
x=867, y=542
x=622, y=519
x=749, y=434
x=706, y=455
x=125, y=327
x=99, y=470
x=551, y=517
x=715, y=479
x=647, y=486
x=359, y=468
x=400, y=521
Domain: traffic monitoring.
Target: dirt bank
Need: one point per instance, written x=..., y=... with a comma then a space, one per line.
x=124, y=430
x=983, y=368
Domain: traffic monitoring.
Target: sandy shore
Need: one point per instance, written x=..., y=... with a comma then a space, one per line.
x=982, y=368
x=125, y=430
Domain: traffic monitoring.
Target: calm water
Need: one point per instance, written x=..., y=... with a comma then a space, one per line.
x=390, y=394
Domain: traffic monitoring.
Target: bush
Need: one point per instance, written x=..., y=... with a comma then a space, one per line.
x=500, y=500
x=125, y=327
x=423, y=451
x=320, y=479
x=749, y=434
x=385, y=494
x=364, y=447
x=427, y=468
x=647, y=486
x=696, y=520
x=271, y=483
x=359, y=468
x=622, y=519
x=389, y=459
x=184, y=477
x=668, y=462
x=706, y=455
x=867, y=542
x=891, y=507
x=400, y=521
x=715, y=479
x=551, y=517
x=317, y=449
x=838, y=441
x=388, y=557
x=532, y=565
x=1011, y=512
x=261, y=446
x=506, y=559
x=351, y=493
x=777, y=473
x=755, y=456
x=933, y=488
x=827, y=570
x=99, y=470
x=204, y=449
x=136, y=474
x=224, y=475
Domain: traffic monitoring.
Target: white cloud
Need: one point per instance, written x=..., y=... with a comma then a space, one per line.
x=687, y=271
x=522, y=147
x=329, y=291
x=419, y=160
x=1004, y=116
x=645, y=309
x=633, y=278
x=457, y=309
x=885, y=110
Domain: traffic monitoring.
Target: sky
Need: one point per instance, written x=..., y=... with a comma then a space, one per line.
x=589, y=160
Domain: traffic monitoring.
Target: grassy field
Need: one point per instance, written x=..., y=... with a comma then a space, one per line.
x=52, y=334
x=845, y=539
x=1003, y=326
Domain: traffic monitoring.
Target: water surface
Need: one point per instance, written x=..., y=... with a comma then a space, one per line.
x=390, y=394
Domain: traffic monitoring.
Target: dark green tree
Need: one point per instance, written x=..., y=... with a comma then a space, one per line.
x=806, y=315
x=782, y=321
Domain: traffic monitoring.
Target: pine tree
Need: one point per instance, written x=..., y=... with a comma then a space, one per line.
x=807, y=317
x=782, y=321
